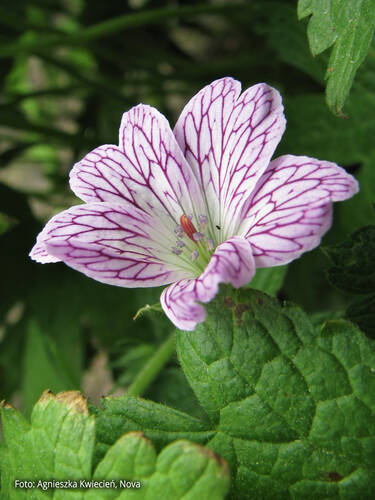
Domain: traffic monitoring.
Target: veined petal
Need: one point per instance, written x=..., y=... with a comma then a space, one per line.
x=232, y=262
x=229, y=140
x=112, y=243
x=39, y=252
x=148, y=169
x=290, y=208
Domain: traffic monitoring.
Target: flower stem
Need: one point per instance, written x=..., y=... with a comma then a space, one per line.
x=153, y=366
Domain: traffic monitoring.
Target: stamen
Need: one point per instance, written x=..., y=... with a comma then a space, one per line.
x=188, y=226
x=198, y=236
x=194, y=255
x=176, y=251
x=210, y=244
x=180, y=243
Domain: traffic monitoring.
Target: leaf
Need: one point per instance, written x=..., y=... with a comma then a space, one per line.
x=160, y=424
x=352, y=267
x=43, y=366
x=58, y=445
x=348, y=25
x=182, y=470
x=293, y=410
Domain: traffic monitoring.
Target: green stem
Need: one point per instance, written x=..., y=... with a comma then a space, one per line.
x=153, y=366
x=115, y=25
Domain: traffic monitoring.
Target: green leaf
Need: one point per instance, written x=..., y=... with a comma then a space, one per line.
x=43, y=366
x=293, y=410
x=348, y=25
x=352, y=267
x=158, y=422
x=57, y=444
x=182, y=470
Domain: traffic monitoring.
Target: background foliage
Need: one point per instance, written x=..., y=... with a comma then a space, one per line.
x=69, y=69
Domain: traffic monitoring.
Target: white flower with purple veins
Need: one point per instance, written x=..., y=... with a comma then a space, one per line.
x=195, y=207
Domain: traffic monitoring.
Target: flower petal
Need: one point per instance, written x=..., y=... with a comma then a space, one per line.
x=291, y=207
x=232, y=262
x=112, y=243
x=229, y=140
x=148, y=169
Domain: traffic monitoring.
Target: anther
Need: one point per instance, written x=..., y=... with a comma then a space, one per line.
x=176, y=251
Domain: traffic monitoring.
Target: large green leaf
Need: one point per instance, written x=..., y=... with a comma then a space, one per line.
x=291, y=408
x=348, y=25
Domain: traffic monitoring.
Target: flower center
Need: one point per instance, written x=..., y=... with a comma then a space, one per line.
x=201, y=249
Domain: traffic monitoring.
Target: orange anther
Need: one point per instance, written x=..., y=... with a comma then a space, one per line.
x=188, y=226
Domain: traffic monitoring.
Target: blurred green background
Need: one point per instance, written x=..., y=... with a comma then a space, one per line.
x=69, y=69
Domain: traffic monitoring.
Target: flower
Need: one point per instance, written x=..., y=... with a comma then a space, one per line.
x=195, y=207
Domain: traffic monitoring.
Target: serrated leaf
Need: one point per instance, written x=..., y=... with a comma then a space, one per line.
x=348, y=25
x=353, y=267
x=293, y=410
x=57, y=444
x=182, y=470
